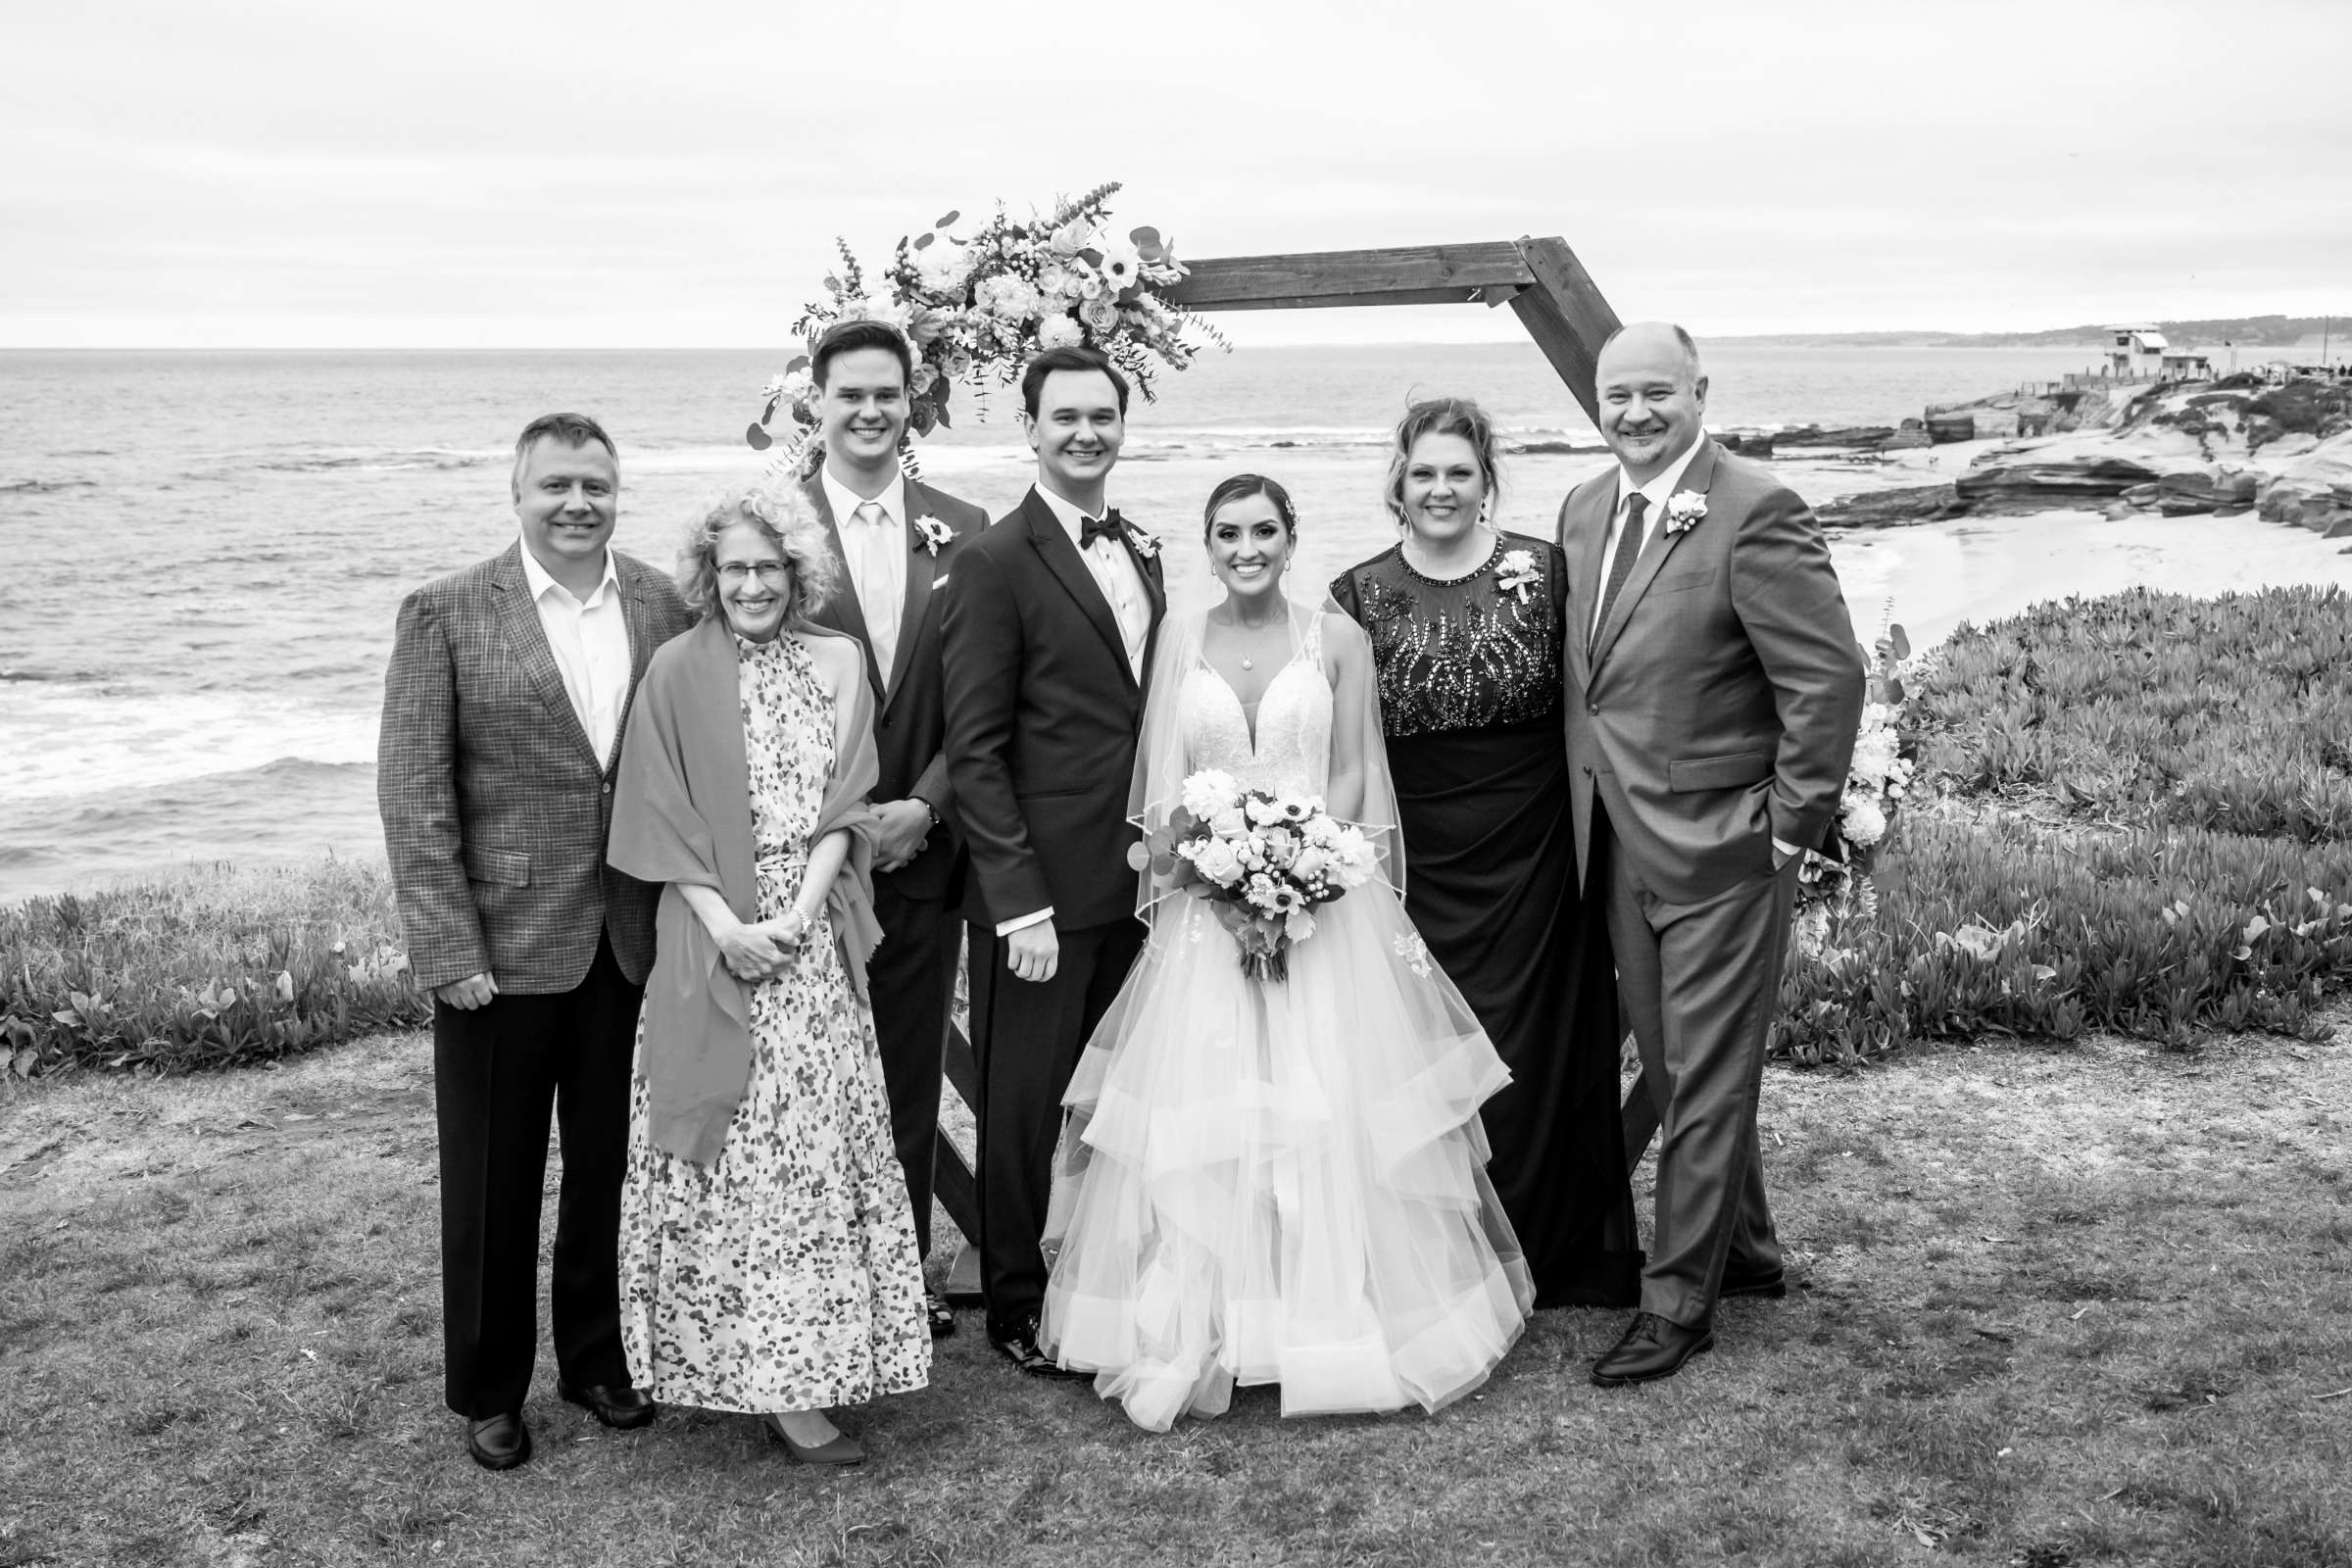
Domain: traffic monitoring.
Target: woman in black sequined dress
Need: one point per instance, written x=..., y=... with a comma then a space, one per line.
x=1466, y=623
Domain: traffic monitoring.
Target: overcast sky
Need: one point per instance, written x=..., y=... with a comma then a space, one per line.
x=486, y=174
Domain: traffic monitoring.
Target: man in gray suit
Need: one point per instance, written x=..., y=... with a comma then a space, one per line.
x=1713, y=691
x=503, y=703
x=895, y=538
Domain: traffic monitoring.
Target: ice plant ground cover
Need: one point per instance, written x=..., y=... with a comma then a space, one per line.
x=2130, y=814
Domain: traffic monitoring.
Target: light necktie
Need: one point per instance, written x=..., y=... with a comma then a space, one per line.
x=1628, y=549
x=876, y=600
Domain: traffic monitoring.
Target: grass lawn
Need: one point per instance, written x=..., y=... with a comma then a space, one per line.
x=2079, y=1305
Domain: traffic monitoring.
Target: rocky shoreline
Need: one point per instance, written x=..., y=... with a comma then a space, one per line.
x=2239, y=444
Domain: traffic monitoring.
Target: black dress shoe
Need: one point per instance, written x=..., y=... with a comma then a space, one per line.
x=499, y=1442
x=1020, y=1344
x=622, y=1409
x=1774, y=1285
x=940, y=1316
x=1653, y=1347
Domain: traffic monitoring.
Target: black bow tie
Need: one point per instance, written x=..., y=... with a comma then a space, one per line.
x=1107, y=526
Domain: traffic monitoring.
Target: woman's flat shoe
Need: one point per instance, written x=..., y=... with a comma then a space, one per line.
x=839, y=1451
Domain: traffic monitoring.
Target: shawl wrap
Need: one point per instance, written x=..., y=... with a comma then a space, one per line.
x=682, y=817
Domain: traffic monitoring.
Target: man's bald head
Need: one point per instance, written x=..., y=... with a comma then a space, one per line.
x=1652, y=395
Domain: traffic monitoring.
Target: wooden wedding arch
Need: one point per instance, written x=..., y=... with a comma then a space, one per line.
x=1554, y=298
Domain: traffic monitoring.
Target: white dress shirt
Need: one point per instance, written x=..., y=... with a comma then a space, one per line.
x=590, y=639
x=1115, y=573
x=875, y=550
x=1122, y=583
x=1656, y=492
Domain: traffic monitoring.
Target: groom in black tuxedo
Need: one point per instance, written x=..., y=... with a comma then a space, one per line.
x=1046, y=626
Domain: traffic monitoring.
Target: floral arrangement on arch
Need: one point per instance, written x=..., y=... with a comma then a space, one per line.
x=976, y=310
x=1837, y=879
x=1263, y=859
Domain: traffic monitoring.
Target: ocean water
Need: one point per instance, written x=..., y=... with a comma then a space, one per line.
x=201, y=554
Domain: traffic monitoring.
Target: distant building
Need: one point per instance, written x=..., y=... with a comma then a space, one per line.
x=2136, y=353
x=2179, y=365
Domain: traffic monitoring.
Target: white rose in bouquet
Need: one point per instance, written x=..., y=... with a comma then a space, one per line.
x=1208, y=792
x=1228, y=822
x=1310, y=864
x=1215, y=860
x=1260, y=811
x=1102, y=313
x=1072, y=237
x=1085, y=282
x=1054, y=281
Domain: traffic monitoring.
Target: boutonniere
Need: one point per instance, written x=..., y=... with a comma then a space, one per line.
x=1146, y=544
x=1683, y=509
x=1517, y=572
x=931, y=533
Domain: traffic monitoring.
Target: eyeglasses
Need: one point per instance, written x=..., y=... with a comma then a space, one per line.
x=733, y=572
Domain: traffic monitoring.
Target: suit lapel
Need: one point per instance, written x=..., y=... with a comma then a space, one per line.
x=518, y=621
x=1147, y=569
x=1653, y=559
x=1588, y=533
x=1060, y=554
x=637, y=615
x=920, y=564
x=844, y=614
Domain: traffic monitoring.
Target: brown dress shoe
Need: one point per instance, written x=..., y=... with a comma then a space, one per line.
x=624, y=1409
x=940, y=1315
x=1653, y=1347
x=499, y=1442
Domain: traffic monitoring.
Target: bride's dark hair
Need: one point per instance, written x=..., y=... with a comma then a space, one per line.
x=1240, y=487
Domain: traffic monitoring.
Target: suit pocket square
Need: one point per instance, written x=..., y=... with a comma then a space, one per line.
x=1688, y=774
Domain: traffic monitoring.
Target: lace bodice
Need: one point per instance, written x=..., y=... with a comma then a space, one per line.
x=1292, y=749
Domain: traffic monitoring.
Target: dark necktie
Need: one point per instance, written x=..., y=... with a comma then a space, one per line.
x=1090, y=529
x=1628, y=549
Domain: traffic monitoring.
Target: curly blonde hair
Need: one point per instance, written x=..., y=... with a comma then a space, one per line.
x=785, y=518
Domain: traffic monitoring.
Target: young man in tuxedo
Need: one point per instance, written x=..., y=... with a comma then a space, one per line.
x=895, y=539
x=1047, y=636
x=1713, y=690
x=504, y=706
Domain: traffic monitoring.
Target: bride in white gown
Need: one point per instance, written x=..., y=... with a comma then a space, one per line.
x=1278, y=1181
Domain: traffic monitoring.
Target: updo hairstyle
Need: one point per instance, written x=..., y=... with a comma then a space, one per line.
x=1442, y=416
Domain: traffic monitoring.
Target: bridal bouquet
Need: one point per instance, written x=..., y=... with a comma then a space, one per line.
x=1264, y=861
x=976, y=310
x=1876, y=783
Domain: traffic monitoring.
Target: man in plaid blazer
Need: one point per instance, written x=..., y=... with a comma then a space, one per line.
x=503, y=703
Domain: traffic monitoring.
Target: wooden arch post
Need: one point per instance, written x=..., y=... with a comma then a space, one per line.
x=1554, y=298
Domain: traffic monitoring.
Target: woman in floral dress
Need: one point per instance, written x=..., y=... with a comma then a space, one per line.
x=1466, y=624
x=768, y=1263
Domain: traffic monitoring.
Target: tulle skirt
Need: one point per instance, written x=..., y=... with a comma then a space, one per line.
x=1283, y=1182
